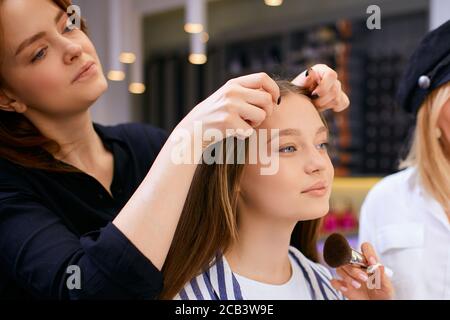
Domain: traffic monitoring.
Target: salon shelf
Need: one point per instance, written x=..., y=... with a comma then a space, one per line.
x=351, y=192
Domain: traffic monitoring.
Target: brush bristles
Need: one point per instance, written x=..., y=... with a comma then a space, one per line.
x=337, y=251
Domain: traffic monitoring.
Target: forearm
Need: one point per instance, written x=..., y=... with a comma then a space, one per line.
x=150, y=217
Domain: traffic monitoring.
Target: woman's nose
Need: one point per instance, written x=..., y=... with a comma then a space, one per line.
x=72, y=52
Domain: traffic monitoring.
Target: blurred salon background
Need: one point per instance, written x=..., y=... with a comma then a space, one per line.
x=162, y=57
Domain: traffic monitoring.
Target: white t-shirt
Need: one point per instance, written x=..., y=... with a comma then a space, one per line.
x=295, y=289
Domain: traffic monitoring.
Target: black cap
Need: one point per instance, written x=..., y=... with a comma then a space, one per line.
x=427, y=69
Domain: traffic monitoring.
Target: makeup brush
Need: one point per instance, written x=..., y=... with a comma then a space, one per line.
x=337, y=253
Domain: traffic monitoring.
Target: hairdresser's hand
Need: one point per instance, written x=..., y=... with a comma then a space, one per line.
x=237, y=107
x=323, y=82
x=355, y=284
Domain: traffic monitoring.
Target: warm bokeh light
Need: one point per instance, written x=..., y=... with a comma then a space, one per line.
x=193, y=27
x=197, y=58
x=116, y=75
x=273, y=3
x=136, y=88
x=127, y=57
x=205, y=37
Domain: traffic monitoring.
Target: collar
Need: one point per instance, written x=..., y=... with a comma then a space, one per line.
x=108, y=133
x=226, y=286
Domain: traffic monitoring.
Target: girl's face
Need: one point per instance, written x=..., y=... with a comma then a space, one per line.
x=301, y=188
x=39, y=73
x=444, y=125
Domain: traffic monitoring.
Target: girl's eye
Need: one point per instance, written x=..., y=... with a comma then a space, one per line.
x=323, y=146
x=39, y=55
x=288, y=149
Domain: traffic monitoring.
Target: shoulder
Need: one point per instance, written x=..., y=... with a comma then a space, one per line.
x=198, y=288
x=402, y=180
x=317, y=275
x=389, y=195
x=12, y=176
x=304, y=261
x=136, y=134
x=216, y=283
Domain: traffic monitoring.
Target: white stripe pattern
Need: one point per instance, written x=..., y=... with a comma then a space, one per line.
x=318, y=280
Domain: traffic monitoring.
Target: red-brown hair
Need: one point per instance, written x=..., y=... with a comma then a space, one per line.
x=20, y=141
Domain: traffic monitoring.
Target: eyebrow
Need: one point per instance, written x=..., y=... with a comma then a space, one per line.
x=296, y=132
x=37, y=36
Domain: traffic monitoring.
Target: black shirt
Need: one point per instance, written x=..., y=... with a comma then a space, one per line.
x=50, y=221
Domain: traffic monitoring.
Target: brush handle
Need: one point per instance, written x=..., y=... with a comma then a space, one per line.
x=360, y=260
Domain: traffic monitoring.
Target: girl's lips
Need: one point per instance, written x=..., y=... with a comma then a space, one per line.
x=318, y=189
x=316, y=192
x=87, y=71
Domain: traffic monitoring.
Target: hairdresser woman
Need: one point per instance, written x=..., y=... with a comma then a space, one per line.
x=407, y=215
x=78, y=198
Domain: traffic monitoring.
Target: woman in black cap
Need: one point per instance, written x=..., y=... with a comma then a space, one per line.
x=82, y=214
x=407, y=215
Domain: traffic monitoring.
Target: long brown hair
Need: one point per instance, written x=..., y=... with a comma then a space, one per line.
x=20, y=141
x=208, y=223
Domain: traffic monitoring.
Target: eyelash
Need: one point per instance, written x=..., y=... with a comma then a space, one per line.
x=38, y=56
x=323, y=146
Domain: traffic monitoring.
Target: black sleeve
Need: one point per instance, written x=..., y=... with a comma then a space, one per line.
x=37, y=249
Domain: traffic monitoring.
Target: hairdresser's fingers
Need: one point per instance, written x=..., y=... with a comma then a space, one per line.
x=369, y=253
x=326, y=83
x=330, y=85
x=312, y=79
x=251, y=114
x=328, y=101
x=240, y=129
x=259, y=98
x=259, y=81
x=347, y=291
x=342, y=102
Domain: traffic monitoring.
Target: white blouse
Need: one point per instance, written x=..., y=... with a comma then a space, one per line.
x=411, y=234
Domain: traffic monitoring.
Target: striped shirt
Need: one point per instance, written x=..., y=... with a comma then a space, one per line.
x=219, y=282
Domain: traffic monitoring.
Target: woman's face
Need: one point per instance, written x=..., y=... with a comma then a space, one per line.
x=40, y=74
x=301, y=187
x=444, y=125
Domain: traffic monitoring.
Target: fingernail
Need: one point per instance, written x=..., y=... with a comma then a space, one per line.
x=363, y=277
x=314, y=96
x=344, y=289
x=372, y=260
x=356, y=284
x=279, y=101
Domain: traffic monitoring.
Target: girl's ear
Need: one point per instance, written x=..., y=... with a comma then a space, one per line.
x=10, y=105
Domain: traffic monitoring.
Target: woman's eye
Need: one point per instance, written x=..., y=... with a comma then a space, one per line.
x=39, y=55
x=288, y=149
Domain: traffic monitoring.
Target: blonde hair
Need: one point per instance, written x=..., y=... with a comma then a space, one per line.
x=427, y=151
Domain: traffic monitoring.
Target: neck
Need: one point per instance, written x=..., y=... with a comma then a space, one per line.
x=261, y=253
x=80, y=144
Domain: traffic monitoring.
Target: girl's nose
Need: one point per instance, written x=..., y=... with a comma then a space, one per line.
x=315, y=162
x=72, y=52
